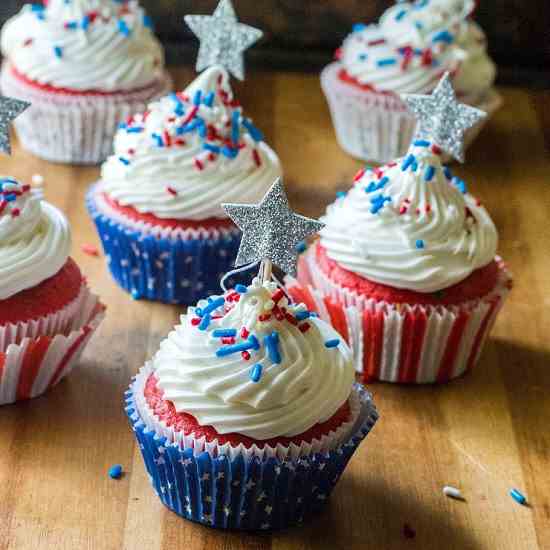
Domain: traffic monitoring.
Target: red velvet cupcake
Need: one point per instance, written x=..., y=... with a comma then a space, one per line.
x=248, y=413
x=47, y=313
x=406, y=270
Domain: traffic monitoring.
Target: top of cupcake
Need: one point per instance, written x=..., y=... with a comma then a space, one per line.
x=84, y=45
x=413, y=44
x=189, y=152
x=34, y=238
x=250, y=362
x=410, y=224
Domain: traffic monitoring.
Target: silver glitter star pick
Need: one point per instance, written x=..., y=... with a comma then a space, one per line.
x=442, y=119
x=222, y=39
x=9, y=110
x=271, y=230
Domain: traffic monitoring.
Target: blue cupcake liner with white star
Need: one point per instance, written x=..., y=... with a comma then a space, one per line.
x=245, y=493
x=170, y=270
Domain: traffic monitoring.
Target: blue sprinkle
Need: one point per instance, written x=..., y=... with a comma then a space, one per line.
x=460, y=185
x=71, y=25
x=341, y=194
x=202, y=128
x=122, y=126
x=123, y=27
x=302, y=315
x=518, y=497
x=421, y=143
x=272, y=344
x=386, y=62
x=378, y=203
x=115, y=472
x=211, y=148
x=85, y=22
x=124, y=161
x=358, y=27
x=254, y=342
x=134, y=130
x=429, y=173
x=224, y=333
x=213, y=305
x=10, y=198
x=414, y=166
x=209, y=99
x=363, y=57
x=419, y=244
x=443, y=36
x=235, y=127
x=256, y=373
x=241, y=289
x=235, y=348
x=409, y=160
x=158, y=139
x=147, y=22
x=205, y=322
x=334, y=343
x=197, y=98
x=252, y=130
x=301, y=247
x=58, y=51
x=448, y=173
x=400, y=15
x=230, y=152
x=37, y=7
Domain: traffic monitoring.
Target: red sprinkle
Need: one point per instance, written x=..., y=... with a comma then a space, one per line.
x=245, y=355
x=191, y=114
x=256, y=157
x=167, y=138
x=376, y=42
x=15, y=212
x=211, y=157
x=428, y=208
x=359, y=175
x=229, y=340
x=199, y=164
x=172, y=191
x=28, y=42
x=278, y=295
x=195, y=321
x=264, y=317
x=90, y=249
x=436, y=150
x=427, y=58
x=304, y=327
x=291, y=319
x=338, y=54
x=244, y=333
x=403, y=210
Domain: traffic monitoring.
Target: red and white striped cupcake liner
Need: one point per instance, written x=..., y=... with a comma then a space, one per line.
x=36, y=355
x=415, y=344
x=71, y=127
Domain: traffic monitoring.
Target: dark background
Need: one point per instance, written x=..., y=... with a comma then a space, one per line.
x=302, y=34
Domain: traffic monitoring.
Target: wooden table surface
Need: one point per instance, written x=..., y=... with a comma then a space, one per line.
x=485, y=433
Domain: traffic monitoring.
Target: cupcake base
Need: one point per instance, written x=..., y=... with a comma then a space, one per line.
x=158, y=263
x=401, y=342
x=377, y=127
x=70, y=127
x=36, y=355
x=244, y=492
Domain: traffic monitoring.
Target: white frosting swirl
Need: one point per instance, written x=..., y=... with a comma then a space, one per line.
x=414, y=43
x=181, y=160
x=306, y=387
x=84, y=45
x=410, y=225
x=34, y=239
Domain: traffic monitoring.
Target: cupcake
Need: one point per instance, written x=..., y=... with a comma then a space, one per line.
x=86, y=66
x=407, y=51
x=406, y=270
x=157, y=205
x=47, y=312
x=248, y=414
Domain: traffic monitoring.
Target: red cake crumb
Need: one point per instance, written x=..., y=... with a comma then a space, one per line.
x=186, y=423
x=49, y=296
x=133, y=214
x=478, y=284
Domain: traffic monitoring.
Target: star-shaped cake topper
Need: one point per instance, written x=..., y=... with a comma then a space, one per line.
x=9, y=110
x=442, y=119
x=222, y=39
x=271, y=230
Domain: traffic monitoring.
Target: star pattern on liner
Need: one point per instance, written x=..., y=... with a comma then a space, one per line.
x=441, y=118
x=271, y=230
x=10, y=109
x=223, y=39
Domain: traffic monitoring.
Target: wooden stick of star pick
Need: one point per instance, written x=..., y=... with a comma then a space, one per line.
x=266, y=269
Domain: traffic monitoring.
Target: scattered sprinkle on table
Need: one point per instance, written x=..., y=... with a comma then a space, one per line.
x=518, y=497
x=38, y=179
x=115, y=472
x=90, y=249
x=452, y=492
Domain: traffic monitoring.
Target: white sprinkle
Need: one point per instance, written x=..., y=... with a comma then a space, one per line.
x=452, y=492
x=38, y=179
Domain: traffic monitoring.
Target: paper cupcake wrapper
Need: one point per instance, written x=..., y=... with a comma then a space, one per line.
x=178, y=267
x=44, y=355
x=397, y=342
x=245, y=492
x=378, y=127
x=327, y=443
x=70, y=128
